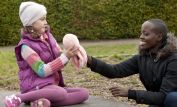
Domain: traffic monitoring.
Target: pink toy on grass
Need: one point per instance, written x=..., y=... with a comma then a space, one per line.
x=70, y=40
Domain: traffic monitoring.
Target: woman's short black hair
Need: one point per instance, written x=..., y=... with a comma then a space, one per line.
x=160, y=27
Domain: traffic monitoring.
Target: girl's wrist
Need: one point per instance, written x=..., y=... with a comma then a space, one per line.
x=64, y=58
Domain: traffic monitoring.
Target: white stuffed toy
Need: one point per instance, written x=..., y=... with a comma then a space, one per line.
x=70, y=40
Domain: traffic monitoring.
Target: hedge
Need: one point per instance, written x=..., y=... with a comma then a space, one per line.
x=90, y=19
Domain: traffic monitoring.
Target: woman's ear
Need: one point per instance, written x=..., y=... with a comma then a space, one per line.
x=160, y=36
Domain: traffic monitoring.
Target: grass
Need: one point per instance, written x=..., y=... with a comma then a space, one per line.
x=97, y=85
x=8, y=70
x=111, y=50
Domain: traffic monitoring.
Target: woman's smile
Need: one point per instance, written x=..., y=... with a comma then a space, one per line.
x=142, y=43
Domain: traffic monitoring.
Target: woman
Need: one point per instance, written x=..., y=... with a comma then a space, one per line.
x=156, y=65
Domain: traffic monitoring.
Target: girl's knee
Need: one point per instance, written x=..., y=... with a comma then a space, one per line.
x=60, y=94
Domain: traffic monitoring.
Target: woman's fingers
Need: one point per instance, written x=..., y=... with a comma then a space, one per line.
x=119, y=91
x=115, y=91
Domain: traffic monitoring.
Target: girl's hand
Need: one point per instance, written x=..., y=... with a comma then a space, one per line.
x=70, y=52
x=119, y=91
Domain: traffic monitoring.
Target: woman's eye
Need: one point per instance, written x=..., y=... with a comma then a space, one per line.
x=144, y=33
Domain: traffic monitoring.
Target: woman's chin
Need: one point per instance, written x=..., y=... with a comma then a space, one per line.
x=142, y=47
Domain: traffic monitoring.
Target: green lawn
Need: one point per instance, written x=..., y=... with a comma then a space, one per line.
x=8, y=70
x=112, y=50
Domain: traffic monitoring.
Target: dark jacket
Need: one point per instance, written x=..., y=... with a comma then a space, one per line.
x=159, y=76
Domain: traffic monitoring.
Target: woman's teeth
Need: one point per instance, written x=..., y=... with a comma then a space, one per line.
x=142, y=43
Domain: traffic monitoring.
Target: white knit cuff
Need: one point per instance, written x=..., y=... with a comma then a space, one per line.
x=64, y=59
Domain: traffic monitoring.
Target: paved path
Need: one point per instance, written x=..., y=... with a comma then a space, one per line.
x=93, y=101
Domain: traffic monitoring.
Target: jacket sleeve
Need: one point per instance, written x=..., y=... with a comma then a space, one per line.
x=126, y=68
x=169, y=84
x=146, y=97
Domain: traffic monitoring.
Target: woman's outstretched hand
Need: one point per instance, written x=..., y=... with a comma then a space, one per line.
x=119, y=91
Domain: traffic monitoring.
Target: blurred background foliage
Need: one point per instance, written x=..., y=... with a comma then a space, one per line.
x=90, y=19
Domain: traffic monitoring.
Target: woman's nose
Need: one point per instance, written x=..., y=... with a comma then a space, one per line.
x=141, y=36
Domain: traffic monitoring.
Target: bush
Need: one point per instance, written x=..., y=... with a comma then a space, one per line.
x=90, y=19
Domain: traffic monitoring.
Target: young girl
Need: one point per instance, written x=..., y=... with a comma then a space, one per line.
x=40, y=64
